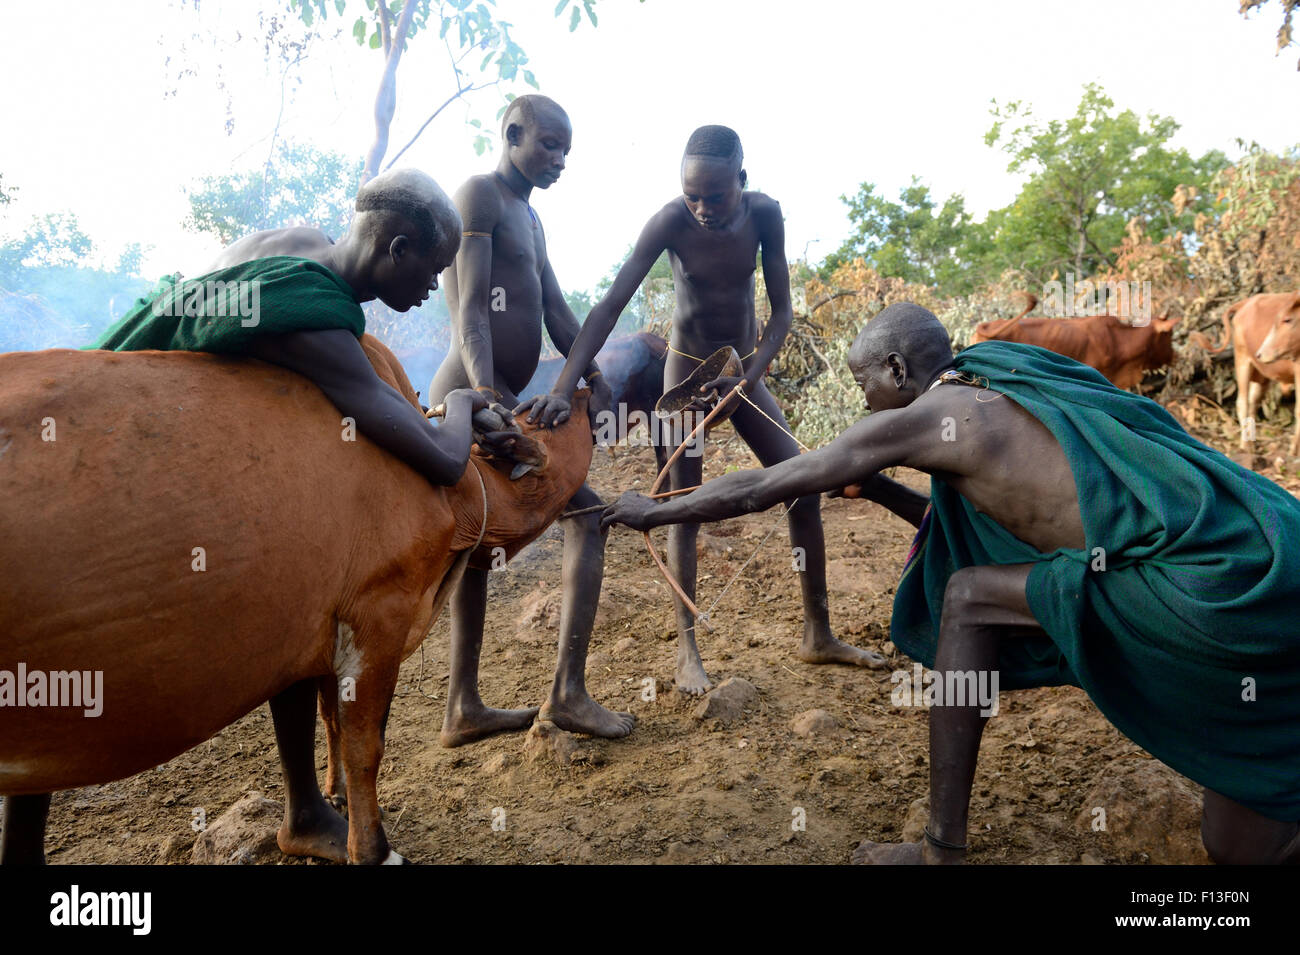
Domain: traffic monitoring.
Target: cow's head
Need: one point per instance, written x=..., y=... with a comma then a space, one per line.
x=1162, y=341
x=1283, y=339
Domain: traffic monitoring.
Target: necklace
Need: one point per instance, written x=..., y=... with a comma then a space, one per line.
x=961, y=378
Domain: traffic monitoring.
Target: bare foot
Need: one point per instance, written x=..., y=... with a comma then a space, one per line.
x=319, y=831
x=585, y=715
x=830, y=650
x=905, y=853
x=691, y=678
x=482, y=721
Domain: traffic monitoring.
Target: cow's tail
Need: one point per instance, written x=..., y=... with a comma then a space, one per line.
x=1202, y=341
x=992, y=331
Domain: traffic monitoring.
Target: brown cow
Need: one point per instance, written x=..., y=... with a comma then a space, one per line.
x=1265, y=334
x=1121, y=352
x=201, y=532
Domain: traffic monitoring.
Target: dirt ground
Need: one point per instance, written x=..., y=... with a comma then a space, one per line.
x=678, y=789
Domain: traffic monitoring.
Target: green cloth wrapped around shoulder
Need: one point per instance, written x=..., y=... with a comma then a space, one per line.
x=224, y=310
x=1188, y=639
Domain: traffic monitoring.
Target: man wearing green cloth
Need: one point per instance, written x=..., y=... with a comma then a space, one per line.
x=1074, y=534
x=292, y=297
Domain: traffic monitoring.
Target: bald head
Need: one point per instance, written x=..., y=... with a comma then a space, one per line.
x=407, y=202
x=526, y=110
x=909, y=330
x=897, y=354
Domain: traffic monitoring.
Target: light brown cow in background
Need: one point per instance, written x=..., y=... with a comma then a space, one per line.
x=198, y=530
x=1120, y=351
x=1265, y=334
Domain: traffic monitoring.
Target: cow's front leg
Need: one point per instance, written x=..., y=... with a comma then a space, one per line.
x=311, y=827
x=362, y=713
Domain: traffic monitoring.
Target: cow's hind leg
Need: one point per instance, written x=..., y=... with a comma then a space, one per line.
x=1235, y=835
x=311, y=827
x=22, y=835
x=335, y=791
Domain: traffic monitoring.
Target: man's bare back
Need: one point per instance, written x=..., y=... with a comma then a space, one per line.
x=1000, y=458
x=302, y=241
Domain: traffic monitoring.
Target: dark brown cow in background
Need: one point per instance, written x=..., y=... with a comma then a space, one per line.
x=1121, y=352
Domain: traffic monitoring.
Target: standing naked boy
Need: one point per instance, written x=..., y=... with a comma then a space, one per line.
x=500, y=291
x=713, y=234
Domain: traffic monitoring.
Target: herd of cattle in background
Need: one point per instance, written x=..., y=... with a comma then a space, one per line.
x=1264, y=331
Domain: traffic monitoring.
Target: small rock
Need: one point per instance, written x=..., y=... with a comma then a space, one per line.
x=546, y=741
x=726, y=702
x=814, y=723
x=497, y=764
x=1149, y=809
x=176, y=848
x=540, y=613
x=627, y=643
x=1089, y=858
x=242, y=835
x=918, y=814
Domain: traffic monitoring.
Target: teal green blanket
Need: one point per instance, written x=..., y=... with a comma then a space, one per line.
x=1189, y=639
x=223, y=311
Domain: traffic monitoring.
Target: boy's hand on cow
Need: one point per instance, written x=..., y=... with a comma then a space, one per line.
x=631, y=509
x=546, y=411
x=475, y=400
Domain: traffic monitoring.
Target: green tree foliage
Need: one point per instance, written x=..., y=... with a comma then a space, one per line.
x=299, y=185
x=53, y=290
x=914, y=239
x=1087, y=177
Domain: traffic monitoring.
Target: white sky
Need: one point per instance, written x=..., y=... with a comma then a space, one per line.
x=824, y=95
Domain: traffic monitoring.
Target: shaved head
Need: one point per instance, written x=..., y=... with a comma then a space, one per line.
x=407, y=202
x=525, y=110
x=716, y=142
x=909, y=330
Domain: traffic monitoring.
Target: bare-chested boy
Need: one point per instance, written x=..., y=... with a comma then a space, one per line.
x=501, y=291
x=1166, y=591
x=714, y=233
x=404, y=232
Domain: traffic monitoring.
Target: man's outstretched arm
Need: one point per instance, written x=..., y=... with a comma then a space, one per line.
x=335, y=361
x=878, y=441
